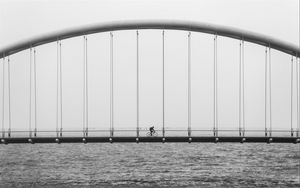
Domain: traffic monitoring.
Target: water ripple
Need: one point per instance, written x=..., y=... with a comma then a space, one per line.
x=150, y=165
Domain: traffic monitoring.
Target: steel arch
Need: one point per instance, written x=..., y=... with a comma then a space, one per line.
x=148, y=24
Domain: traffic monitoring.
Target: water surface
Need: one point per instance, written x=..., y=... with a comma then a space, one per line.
x=150, y=165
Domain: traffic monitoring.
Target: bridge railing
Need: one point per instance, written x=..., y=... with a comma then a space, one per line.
x=145, y=133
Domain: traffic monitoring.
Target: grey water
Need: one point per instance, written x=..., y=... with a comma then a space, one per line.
x=150, y=165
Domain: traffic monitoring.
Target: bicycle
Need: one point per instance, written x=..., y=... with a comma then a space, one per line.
x=154, y=134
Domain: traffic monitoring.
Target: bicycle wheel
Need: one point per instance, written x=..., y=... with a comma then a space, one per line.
x=148, y=134
x=154, y=134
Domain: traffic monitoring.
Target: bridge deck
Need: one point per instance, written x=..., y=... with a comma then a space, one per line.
x=149, y=139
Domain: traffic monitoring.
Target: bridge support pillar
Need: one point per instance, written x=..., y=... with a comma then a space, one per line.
x=270, y=140
x=30, y=141
x=243, y=140
x=216, y=140
x=3, y=141
x=57, y=140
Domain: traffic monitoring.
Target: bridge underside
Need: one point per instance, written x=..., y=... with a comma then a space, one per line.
x=149, y=139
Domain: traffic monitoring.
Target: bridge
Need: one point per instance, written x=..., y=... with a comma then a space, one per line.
x=30, y=131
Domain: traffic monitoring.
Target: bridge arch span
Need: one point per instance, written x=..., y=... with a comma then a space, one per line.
x=163, y=24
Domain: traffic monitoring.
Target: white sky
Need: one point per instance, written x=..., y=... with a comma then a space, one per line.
x=277, y=18
x=20, y=20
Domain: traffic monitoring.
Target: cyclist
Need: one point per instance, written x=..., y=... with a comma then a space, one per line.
x=151, y=129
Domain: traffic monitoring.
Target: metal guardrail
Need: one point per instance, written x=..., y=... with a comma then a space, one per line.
x=133, y=132
x=105, y=136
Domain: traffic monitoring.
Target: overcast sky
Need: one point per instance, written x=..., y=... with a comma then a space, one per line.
x=20, y=20
x=277, y=18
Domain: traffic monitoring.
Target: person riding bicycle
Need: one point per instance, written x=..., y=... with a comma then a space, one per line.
x=151, y=129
